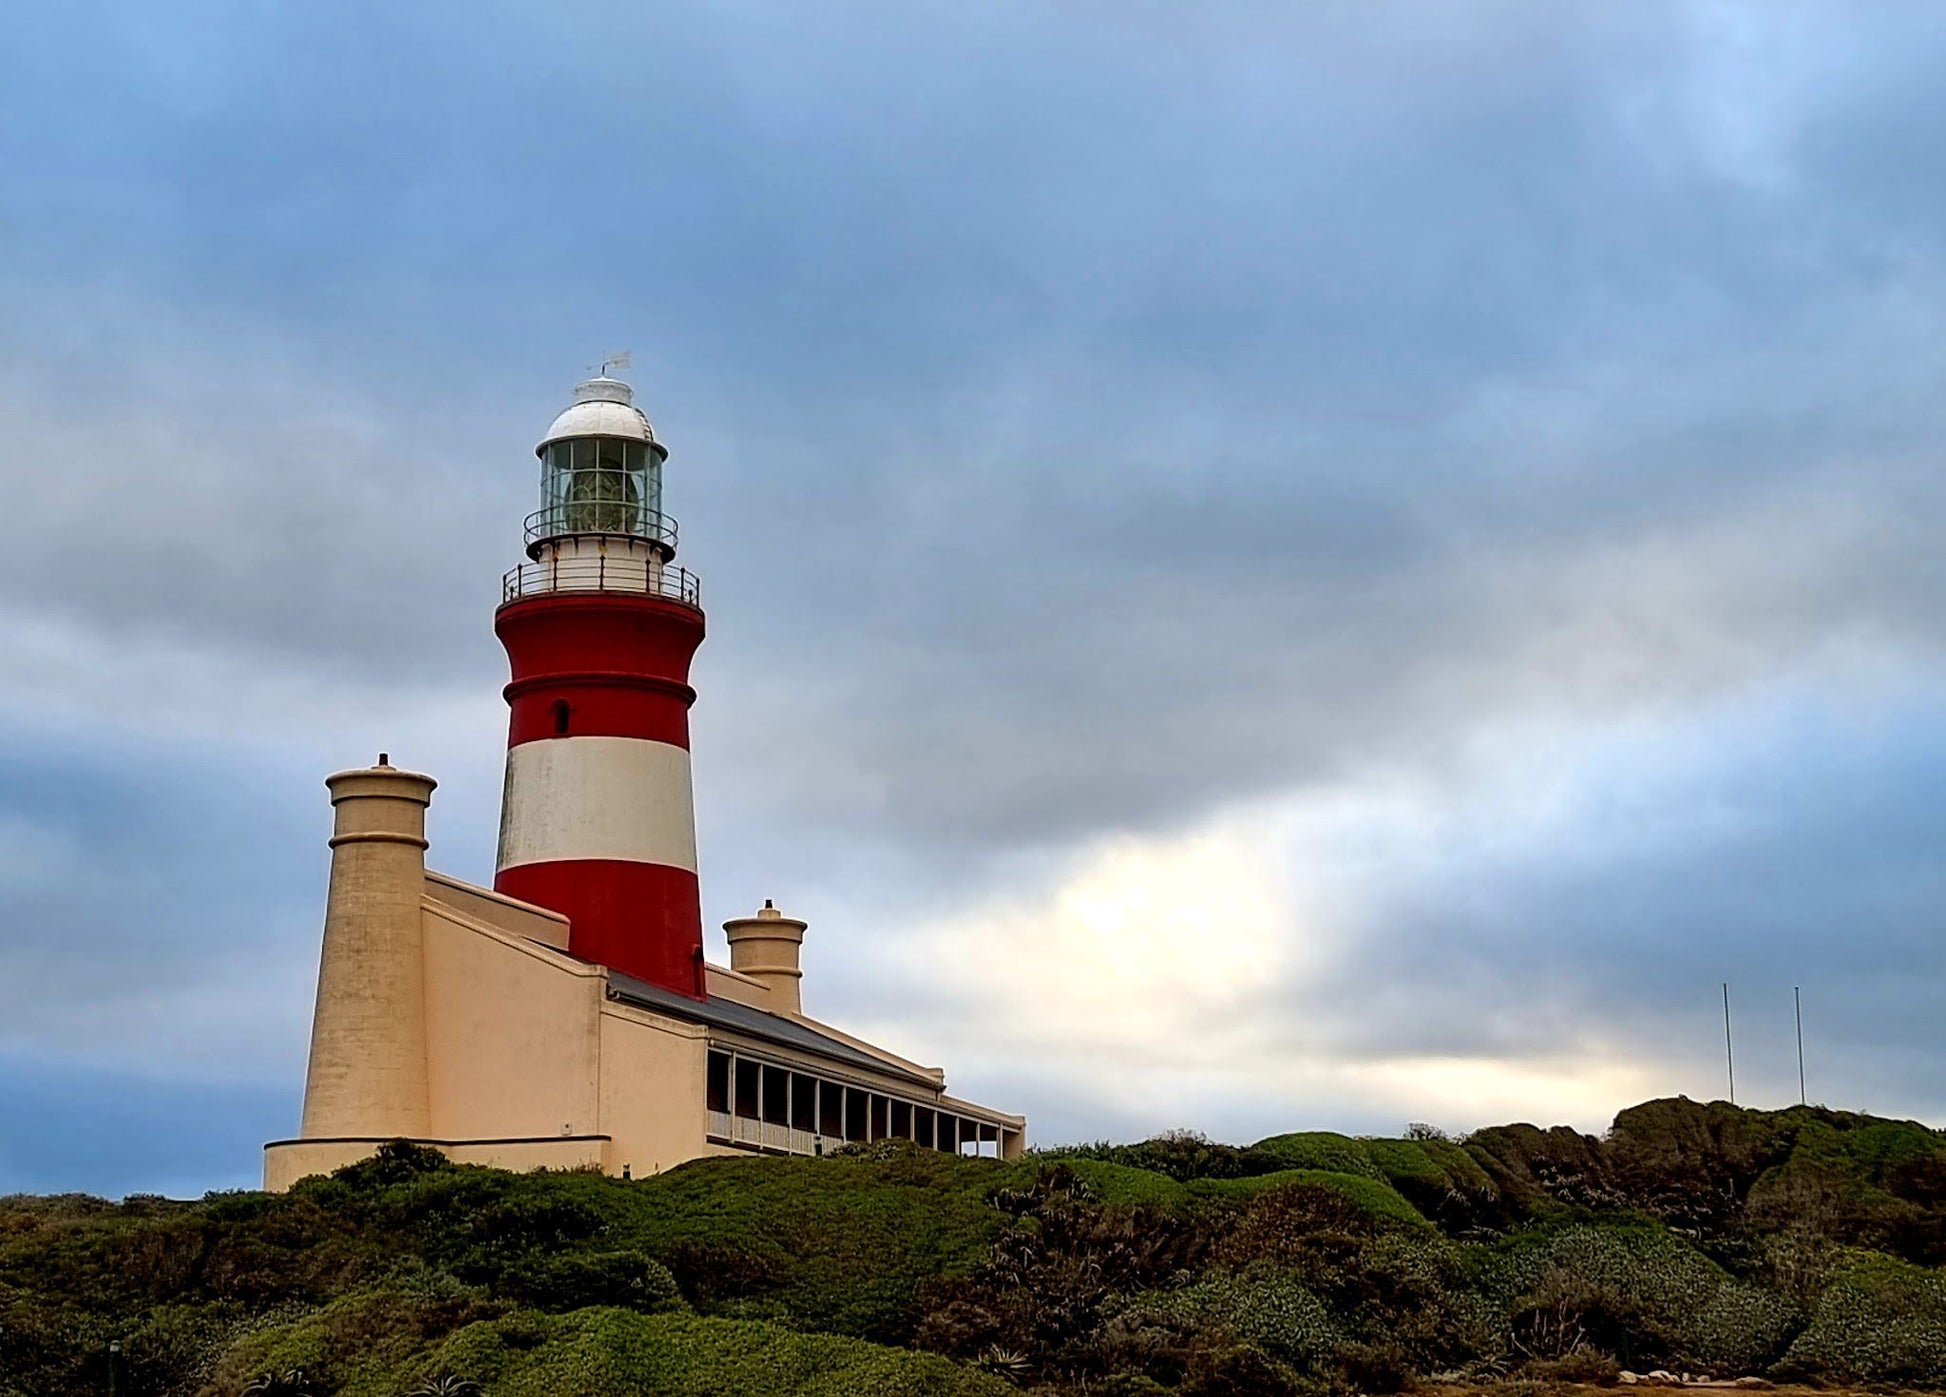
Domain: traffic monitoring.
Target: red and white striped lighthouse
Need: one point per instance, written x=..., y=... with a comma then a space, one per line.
x=598, y=821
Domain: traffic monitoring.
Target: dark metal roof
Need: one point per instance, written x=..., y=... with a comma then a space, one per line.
x=741, y=1018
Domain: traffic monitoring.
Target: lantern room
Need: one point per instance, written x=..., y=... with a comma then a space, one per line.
x=601, y=473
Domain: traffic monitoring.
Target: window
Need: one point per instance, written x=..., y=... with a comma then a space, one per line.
x=718, y=1082
x=809, y=1104
x=561, y=713
x=600, y=485
x=777, y=1085
x=746, y=1089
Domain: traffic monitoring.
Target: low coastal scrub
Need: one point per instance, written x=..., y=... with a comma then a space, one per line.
x=1803, y=1244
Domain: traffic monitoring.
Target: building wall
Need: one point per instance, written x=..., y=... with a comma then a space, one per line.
x=513, y=1047
x=483, y=905
x=528, y=1064
x=651, y=1090
x=721, y=982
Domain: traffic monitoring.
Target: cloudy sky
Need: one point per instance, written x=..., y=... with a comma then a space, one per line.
x=1269, y=566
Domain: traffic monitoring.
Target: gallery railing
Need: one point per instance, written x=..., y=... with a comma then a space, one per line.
x=575, y=517
x=602, y=574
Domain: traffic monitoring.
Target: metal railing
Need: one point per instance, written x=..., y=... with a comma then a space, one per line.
x=568, y=518
x=764, y=1135
x=602, y=574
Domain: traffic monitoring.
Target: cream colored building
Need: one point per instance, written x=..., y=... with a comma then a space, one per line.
x=459, y=1016
x=452, y=1016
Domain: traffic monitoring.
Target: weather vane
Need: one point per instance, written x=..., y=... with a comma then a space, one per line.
x=613, y=361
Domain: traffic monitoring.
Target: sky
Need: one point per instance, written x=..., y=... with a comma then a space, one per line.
x=1268, y=566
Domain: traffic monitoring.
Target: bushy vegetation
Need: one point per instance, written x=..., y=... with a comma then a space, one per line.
x=1801, y=1244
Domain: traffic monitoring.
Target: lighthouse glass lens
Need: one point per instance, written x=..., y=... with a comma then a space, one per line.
x=643, y=466
x=559, y=487
x=602, y=485
x=619, y=491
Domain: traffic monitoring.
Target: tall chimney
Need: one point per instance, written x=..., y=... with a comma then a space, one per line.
x=368, y=1039
x=765, y=948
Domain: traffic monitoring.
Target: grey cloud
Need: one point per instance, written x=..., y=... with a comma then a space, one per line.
x=1799, y=846
x=1082, y=421
x=171, y=900
x=1036, y=668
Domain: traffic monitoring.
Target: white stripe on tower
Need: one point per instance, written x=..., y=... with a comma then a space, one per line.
x=598, y=798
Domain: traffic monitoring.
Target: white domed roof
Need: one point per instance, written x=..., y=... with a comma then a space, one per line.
x=603, y=407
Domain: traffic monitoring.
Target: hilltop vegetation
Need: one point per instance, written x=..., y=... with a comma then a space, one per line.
x=1804, y=1244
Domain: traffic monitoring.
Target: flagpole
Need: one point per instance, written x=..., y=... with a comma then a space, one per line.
x=1797, y=1000
x=1729, y=1050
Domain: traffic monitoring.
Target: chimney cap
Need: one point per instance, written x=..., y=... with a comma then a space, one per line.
x=767, y=916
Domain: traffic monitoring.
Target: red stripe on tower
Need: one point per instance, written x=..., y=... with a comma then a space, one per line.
x=598, y=819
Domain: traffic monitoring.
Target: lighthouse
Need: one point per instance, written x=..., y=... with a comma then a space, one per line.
x=598, y=815
x=565, y=1018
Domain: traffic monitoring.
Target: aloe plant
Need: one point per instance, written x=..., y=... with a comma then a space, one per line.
x=291, y=1383
x=448, y=1386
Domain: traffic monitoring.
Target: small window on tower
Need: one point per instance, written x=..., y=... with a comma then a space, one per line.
x=561, y=715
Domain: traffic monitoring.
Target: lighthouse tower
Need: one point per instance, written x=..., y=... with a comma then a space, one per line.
x=598, y=819
x=564, y=1019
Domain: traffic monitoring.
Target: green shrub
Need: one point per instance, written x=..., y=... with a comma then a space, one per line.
x=1109, y=1182
x=619, y=1353
x=1640, y=1294
x=578, y=1280
x=1371, y=1196
x=841, y=1245
x=1540, y=1172
x=1276, y=1313
x=1181, y=1155
x=355, y=1345
x=1162, y=1265
x=711, y=1273
x=1240, y=1371
x=1320, y=1149
x=1303, y=1227
x=175, y=1347
x=1878, y=1321
x=1050, y=1290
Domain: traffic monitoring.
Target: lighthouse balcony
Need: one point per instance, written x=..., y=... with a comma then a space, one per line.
x=623, y=572
x=596, y=518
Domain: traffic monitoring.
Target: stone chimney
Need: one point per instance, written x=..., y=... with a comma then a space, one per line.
x=765, y=947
